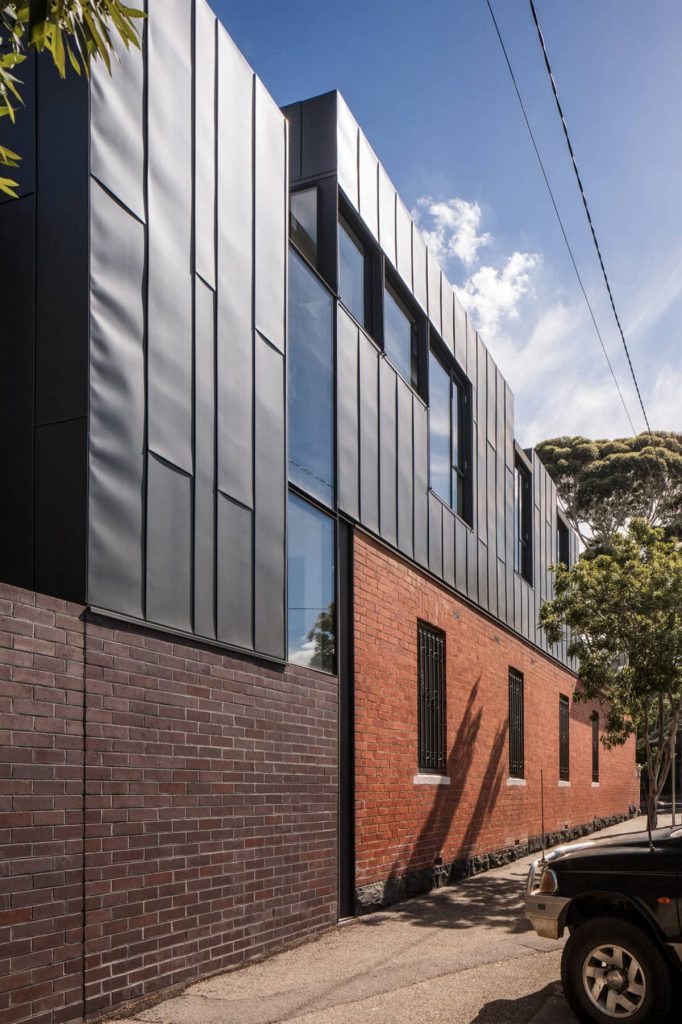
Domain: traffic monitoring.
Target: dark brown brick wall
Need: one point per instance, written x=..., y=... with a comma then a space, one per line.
x=210, y=797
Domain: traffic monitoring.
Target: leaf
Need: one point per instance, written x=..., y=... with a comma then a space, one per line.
x=8, y=157
x=7, y=186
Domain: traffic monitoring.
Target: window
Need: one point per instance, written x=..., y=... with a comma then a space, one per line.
x=400, y=336
x=516, y=749
x=448, y=434
x=311, y=605
x=563, y=738
x=303, y=222
x=352, y=273
x=310, y=383
x=431, y=699
x=595, y=747
x=523, y=486
x=563, y=543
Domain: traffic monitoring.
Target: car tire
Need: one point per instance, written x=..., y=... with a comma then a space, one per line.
x=611, y=970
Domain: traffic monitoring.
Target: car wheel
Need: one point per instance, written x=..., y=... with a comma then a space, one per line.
x=611, y=970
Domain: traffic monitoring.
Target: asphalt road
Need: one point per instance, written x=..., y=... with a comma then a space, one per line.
x=461, y=955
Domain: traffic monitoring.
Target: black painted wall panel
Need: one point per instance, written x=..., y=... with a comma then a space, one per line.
x=169, y=545
x=234, y=573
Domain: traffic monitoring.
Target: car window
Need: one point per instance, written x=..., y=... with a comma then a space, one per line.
x=677, y=834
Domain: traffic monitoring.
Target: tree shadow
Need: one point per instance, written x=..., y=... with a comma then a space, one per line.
x=515, y=1011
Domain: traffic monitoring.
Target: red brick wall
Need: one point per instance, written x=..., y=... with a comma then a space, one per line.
x=210, y=809
x=401, y=827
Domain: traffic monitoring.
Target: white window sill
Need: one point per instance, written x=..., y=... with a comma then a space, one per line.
x=595, y=785
x=564, y=783
x=425, y=779
x=511, y=781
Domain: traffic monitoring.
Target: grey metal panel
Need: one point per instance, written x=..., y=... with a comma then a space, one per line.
x=234, y=573
x=205, y=141
x=403, y=236
x=519, y=586
x=388, y=481
x=472, y=566
x=461, y=542
x=347, y=429
x=461, y=333
x=482, y=574
x=491, y=489
x=270, y=494
x=471, y=367
x=318, y=135
x=491, y=401
x=482, y=478
x=449, y=529
x=419, y=288
x=509, y=587
x=169, y=544
x=538, y=552
x=405, y=475
x=235, y=272
x=421, y=483
x=501, y=590
x=500, y=499
x=117, y=132
x=347, y=148
x=509, y=516
x=448, y=313
x=434, y=275
x=387, y=215
x=116, y=456
x=368, y=171
x=508, y=426
x=435, y=536
x=369, y=434
x=204, y=460
x=20, y=136
x=169, y=170
x=294, y=114
x=270, y=218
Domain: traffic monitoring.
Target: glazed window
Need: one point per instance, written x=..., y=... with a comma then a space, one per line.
x=448, y=436
x=311, y=586
x=352, y=273
x=303, y=223
x=400, y=336
x=523, y=501
x=563, y=543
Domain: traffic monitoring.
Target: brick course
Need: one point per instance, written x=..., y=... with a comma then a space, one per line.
x=401, y=827
x=180, y=822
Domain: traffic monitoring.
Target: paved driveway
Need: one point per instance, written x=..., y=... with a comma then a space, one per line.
x=461, y=955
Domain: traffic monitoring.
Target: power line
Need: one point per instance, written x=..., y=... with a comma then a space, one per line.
x=587, y=209
x=561, y=223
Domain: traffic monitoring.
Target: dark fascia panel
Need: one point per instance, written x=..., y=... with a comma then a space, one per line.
x=524, y=457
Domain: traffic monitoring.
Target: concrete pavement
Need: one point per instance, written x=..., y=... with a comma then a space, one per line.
x=461, y=955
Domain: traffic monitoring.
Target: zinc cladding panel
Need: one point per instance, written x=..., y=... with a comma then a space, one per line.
x=421, y=483
x=318, y=136
x=491, y=491
x=434, y=275
x=387, y=215
x=205, y=135
x=270, y=226
x=117, y=125
x=169, y=305
x=368, y=185
x=419, y=289
x=269, y=513
x=500, y=470
x=460, y=319
x=448, y=314
x=204, y=456
x=461, y=535
x=235, y=273
x=347, y=150
x=117, y=407
x=405, y=476
x=234, y=573
x=449, y=528
x=403, y=237
x=169, y=545
x=387, y=452
x=435, y=512
x=369, y=434
x=347, y=413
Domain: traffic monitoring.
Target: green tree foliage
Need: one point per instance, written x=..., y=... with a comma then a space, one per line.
x=323, y=638
x=604, y=484
x=626, y=606
x=73, y=31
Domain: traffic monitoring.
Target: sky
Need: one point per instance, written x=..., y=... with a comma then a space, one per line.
x=429, y=86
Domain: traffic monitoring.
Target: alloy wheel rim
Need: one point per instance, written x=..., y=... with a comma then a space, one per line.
x=614, y=981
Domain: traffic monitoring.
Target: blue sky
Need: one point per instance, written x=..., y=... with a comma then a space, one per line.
x=428, y=85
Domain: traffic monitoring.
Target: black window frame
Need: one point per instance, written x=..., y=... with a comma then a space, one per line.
x=564, y=738
x=595, y=746
x=465, y=428
x=405, y=301
x=563, y=540
x=517, y=753
x=523, y=520
x=431, y=700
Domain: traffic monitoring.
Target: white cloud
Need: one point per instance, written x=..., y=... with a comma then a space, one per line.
x=665, y=404
x=490, y=295
x=451, y=228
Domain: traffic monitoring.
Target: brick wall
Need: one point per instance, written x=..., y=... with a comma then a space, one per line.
x=402, y=827
x=191, y=805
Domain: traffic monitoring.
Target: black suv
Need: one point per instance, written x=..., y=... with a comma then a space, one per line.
x=621, y=899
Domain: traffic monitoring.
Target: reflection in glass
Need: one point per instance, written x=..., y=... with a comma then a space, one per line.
x=351, y=273
x=398, y=337
x=439, y=429
x=311, y=607
x=303, y=222
x=310, y=383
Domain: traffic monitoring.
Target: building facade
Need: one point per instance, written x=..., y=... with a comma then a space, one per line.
x=272, y=560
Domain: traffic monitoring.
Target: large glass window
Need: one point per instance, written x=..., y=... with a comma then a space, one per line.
x=447, y=436
x=522, y=521
x=311, y=606
x=303, y=222
x=400, y=336
x=352, y=261
x=310, y=383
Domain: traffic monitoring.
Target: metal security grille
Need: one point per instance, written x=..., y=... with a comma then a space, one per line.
x=516, y=751
x=563, y=738
x=595, y=747
x=431, y=699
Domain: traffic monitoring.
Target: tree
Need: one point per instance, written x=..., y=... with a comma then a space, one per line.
x=323, y=638
x=76, y=31
x=602, y=485
x=621, y=614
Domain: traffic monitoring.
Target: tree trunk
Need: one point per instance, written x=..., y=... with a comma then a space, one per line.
x=651, y=805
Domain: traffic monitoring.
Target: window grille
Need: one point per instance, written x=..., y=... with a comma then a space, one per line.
x=431, y=699
x=595, y=747
x=516, y=749
x=563, y=738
